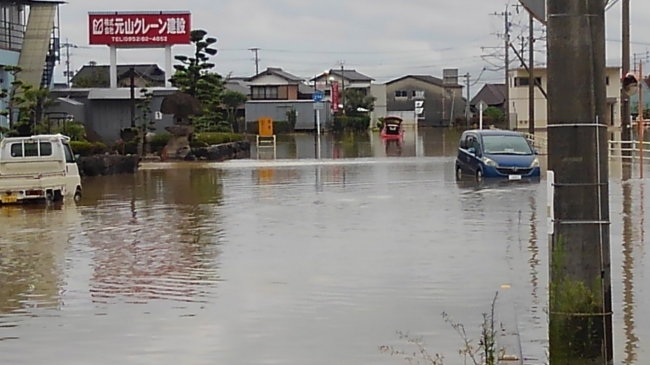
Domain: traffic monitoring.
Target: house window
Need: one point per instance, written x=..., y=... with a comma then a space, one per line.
x=524, y=81
x=328, y=92
x=418, y=94
x=607, y=80
x=264, y=92
x=401, y=94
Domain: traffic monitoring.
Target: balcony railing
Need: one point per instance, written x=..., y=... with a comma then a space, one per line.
x=12, y=36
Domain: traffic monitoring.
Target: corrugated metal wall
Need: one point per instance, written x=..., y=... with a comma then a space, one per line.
x=278, y=111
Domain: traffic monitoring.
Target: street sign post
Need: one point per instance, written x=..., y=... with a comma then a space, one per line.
x=481, y=108
x=318, y=105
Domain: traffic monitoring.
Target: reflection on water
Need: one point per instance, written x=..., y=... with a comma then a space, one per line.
x=628, y=278
x=164, y=244
x=290, y=262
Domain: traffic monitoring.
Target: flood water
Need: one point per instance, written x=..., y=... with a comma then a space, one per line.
x=294, y=261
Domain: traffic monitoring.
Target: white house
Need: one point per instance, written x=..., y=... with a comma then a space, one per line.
x=518, y=87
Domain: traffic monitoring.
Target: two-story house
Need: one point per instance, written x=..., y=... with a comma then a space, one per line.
x=97, y=76
x=275, y=92
x=22, y=44
x=441, y=100
x=518, y=81
x=345, y=79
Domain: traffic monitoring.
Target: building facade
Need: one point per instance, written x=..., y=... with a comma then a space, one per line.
x=29, y=39
x=441, y=99
x=519, y=101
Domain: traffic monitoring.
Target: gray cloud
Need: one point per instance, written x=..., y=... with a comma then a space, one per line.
x=384, y=39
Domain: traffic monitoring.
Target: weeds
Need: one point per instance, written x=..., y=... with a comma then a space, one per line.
x=485, y=352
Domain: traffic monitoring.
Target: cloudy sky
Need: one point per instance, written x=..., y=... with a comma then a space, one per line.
x=381, y=38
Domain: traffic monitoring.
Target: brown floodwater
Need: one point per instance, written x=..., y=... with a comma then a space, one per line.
x=293, y=261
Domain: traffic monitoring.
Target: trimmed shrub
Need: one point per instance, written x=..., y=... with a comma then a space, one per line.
x=344, y=123
x=279, y=127
x=85, y=149
x=159, y=141
x=211, y=139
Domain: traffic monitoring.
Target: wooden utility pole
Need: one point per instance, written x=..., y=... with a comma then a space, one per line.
x=531, y=75
x=506, y=36
x=580, y=303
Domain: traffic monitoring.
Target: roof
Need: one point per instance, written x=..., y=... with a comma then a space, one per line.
x=238, y=85
x=491, y=94
x=148, y=71
x=350, y=75
x=305, y=89
x=424, y=78
x=277, y=72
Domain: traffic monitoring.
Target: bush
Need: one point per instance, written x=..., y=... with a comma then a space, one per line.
x=84, y=148
x=211, y=139
x=344, y=123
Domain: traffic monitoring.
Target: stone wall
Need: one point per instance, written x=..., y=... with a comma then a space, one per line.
x=102, y=165
x=222, y=152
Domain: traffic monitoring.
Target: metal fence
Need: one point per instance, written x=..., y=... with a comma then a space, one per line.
x=12, y=35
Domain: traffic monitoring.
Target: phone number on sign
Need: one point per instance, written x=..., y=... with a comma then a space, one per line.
x=139, y=39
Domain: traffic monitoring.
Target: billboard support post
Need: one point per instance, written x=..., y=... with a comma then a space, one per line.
x=113, y=67
x=168, y=65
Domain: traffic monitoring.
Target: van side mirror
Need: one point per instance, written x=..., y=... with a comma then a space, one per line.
x=472, y=150
x=76, y=157
x=535, y=151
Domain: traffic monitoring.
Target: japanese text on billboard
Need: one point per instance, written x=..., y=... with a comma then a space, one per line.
x=139, y=29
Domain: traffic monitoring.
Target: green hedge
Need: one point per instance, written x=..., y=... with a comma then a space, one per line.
x=344, y=123
x=84, y=148
x=211, y=139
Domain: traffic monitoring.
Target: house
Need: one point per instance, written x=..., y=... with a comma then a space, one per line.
x=441, y=99
x=274, y=92
x=493, y=95
x=345, y=79
x=238, y=84
x=276, y=84
x=518, y=84
x=97, y=76
x=35, y=55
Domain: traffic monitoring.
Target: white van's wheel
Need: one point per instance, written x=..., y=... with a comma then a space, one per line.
x=49, y=197
x=77, y=195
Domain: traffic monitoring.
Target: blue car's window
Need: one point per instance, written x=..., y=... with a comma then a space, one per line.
x=510, y=145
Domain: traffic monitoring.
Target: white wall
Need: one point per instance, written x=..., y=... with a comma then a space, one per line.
x=379, y=92
x=519, y=97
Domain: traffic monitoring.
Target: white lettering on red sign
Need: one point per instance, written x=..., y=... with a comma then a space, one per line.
x=138, y=26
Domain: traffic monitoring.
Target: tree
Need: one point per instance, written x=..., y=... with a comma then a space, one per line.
x=353, y=99
x=96, y=79
x=233, y=100
x=25, y=105
x=494, y=113
x=144, y=121
x=194, y=77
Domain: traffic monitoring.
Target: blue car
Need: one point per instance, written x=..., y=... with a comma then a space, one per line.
x=496, y=154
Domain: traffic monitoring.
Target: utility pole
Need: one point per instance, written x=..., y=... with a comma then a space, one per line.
x=132, y=90
x=580, y=266
x=626, y=128
x=256, y=59
x=507, y=68
x=531, y=74
x=342, y=93
x=467, y=91
x=68, y=73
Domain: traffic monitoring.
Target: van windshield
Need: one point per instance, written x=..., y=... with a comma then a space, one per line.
x=506, y=145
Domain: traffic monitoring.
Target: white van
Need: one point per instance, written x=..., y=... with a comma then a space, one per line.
x=41, y=167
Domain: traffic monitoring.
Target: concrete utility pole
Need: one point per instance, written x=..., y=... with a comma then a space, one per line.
x=468, y=116
x=132, y=95
x=626, y=130
x=578, y=155
x=531, y=75
x=507, y=68
x=256, y=59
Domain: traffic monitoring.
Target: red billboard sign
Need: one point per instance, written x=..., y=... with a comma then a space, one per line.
x=139, y=29
x=335, y=96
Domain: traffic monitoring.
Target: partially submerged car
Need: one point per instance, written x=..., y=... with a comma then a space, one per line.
x=38, y=168
x=496, y=153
